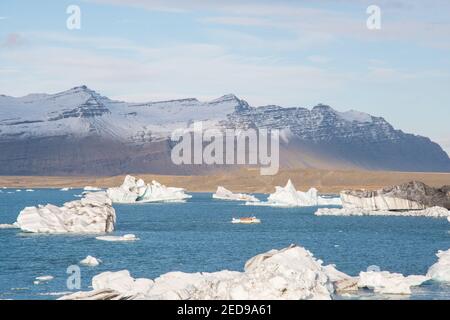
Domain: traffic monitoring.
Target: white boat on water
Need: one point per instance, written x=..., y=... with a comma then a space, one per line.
x=248, y=220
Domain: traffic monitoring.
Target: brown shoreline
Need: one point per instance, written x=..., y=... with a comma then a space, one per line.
x=246, y=180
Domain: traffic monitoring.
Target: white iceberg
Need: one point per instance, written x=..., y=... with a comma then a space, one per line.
x=136, y=191
x=290, y=273
x=290, y=197
x=8, y=226
x=29, y=190
x=225, y=194
x=92, y=214
x=90, y=261
x=127, y=237
x=90, y=188
x=433, y=212
x=64, y=189
x=440, y=271
x=389, y=283
x=271, y=275
x=41, y=279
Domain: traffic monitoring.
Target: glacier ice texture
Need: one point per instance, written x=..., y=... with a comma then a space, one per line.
x=92, y=214
x=440, y=271
x=433, y=212
x=136, y=191
x=225, y=194
x=288, y=196
x=290, y=273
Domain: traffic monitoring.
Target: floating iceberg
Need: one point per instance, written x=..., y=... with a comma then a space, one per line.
x=90, y=261
x=64, y=189
x=290, y=273
x=433, y=212
x=29, y=190
x=225, y=194
x=389, y=283
x=414, y=195
x=92, y=214
x=41, y=279
x=136, y=191
x=290, y=197
x=89, y=188
x=127, y=237
x=440, y=271
x=8, y=226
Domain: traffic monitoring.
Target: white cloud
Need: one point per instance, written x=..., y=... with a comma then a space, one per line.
x=147, y=73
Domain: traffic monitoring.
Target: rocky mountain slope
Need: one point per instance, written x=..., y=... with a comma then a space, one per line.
x=78, y=132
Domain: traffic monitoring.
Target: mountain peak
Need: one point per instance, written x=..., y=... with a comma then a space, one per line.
x=321, y=106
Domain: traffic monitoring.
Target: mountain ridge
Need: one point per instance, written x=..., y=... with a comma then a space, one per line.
x=37, y=132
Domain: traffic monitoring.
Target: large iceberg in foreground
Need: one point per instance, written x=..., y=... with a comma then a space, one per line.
x=290, y=197
x=92, y=214
x=440, y=271
x=136, y=191
x=290, y=273
x=225, y=194
x=433, y=212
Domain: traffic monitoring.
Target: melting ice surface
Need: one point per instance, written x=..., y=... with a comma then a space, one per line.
x=198, y=236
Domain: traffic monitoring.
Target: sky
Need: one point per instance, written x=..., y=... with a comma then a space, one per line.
x=288, y=53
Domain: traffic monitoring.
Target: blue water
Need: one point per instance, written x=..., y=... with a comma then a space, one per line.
x=198, y=236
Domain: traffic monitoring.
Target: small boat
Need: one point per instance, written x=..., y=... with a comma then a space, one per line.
x=248, y=220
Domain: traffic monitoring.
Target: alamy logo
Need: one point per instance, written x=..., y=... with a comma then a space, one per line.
x=228, y=146
x=74, y=280
x=374, y=20
x=73, y=22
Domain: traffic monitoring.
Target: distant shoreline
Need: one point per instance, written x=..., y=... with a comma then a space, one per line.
x=248, y=180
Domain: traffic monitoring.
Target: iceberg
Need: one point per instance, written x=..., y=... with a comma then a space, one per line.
x=41, y=279
x=385, y=282
x=92, y=214
x=29, y=190
x=414, y=195
x=8, y=226
x=290, y=197
x=440, y=271
x=225, y=194
x=290, y=273
x=127, y=237
x=64, y=189
x=90, y=188
x=433, y=212
x=136, y=191
x=90, y=261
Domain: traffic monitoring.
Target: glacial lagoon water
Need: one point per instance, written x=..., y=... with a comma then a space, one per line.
x=198, y=236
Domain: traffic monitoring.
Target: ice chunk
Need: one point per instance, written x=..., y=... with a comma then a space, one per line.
x=225, y=194
x=90, y=261
x=8, y=226
x=92, y=214
x=288, y=196
x=41, y=279
x=127, y=237
x=90, y=188
x=136, y=191
x=389, y=283
x=433, y=212
x=290, y=273
x=440, y=271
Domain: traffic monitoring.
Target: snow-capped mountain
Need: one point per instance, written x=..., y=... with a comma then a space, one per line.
x=79, y=131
